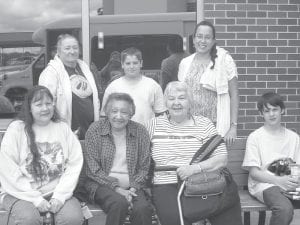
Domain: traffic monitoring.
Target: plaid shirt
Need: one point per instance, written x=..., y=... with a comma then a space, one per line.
x=100, y=150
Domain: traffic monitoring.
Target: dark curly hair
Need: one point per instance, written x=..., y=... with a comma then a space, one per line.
x=35, y=94
x=213, y=51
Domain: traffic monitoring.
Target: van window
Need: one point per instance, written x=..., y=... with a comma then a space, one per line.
x=153, y=48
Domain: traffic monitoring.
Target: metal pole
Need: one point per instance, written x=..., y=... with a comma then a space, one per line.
x=85, y=30
x=200, y=11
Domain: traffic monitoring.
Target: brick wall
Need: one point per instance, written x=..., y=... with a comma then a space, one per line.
x=263, y=37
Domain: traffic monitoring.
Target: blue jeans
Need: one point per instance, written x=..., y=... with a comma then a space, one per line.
x=281, y=206
x=25, y=213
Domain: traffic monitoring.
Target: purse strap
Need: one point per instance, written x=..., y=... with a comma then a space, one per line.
x=207, y=148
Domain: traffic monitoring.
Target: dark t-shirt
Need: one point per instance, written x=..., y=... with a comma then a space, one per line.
x=82, y=101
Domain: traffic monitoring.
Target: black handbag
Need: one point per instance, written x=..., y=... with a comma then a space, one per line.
x=200, y=195
x=204, y=184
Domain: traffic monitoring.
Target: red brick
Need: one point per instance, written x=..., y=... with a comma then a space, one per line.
x=257, y=71
x=277, y=42
x=294, y=1
x=247, y=77
x=226, y=35
x=221, y=42
x=220, y=29
x=290, y=104
x=215, y=1
x=286, y=91
x=241, y=14
x=287, y=50
x=246, y=7
x=256, y=85
x=276, y=70
x=225, y=6
x=287, y=7
x=225, y=21
x=245, y=49
x=294, y=71
x=236, y=28
x=256, y=14
x=287, y=77
x=246, y=35
x=236, y=43
x=276, y=84
x=287, y=21
x=215, y=14
x=239, y=56
x=266, y=50
x=277, y=56
x=246, y=91
x=258, y=28
x=286, y=118
x=266, y=63
x=287, y=35
x=286, y=64
x=236, y=1
x=247, y=119
x=245, y=63
x=241, y=70
x=230, y=49
x=277, y=14
x=245, y=21
x=267, y=78
x=257, y=43
x=265, y=90
x=294, y=42
x=277, y=28
x=293, y=14
x=293, y=111
x=252, y=112
x=267, y=7
x=242, y=99
x=257, y=56
x=294, y=28
x=294, y=98
x=293, y=57
x=267, y=35
x=267, y=21
x=293, y=84
x=257, y=1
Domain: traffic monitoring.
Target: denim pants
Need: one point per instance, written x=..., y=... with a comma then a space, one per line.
x=281, y=206
x=116, y=207
x=25, y=213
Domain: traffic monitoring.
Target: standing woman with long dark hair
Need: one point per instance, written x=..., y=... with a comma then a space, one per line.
x=40, y=162
x=212, y=76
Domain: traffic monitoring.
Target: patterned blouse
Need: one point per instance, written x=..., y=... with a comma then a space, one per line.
x=205, y=101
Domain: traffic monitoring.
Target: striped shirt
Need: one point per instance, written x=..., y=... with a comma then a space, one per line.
x=174, y=145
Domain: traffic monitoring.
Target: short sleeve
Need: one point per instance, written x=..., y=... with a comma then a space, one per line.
x=159, y=105
x=252, y=156
x=230, y=66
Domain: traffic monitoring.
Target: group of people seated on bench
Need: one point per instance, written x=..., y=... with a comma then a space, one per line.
x=41, y=158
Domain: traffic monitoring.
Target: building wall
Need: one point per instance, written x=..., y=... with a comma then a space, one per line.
x=263, y=37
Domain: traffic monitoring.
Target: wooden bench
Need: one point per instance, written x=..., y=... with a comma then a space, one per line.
x=235, y=159
x=249, y=204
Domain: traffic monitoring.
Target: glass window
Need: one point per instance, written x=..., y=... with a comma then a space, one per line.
x=153, y=48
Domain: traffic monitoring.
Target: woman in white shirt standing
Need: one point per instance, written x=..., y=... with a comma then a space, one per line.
x=212, y=76
x=40, y=162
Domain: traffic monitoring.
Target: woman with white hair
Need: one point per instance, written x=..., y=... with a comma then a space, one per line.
x=72, y=85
